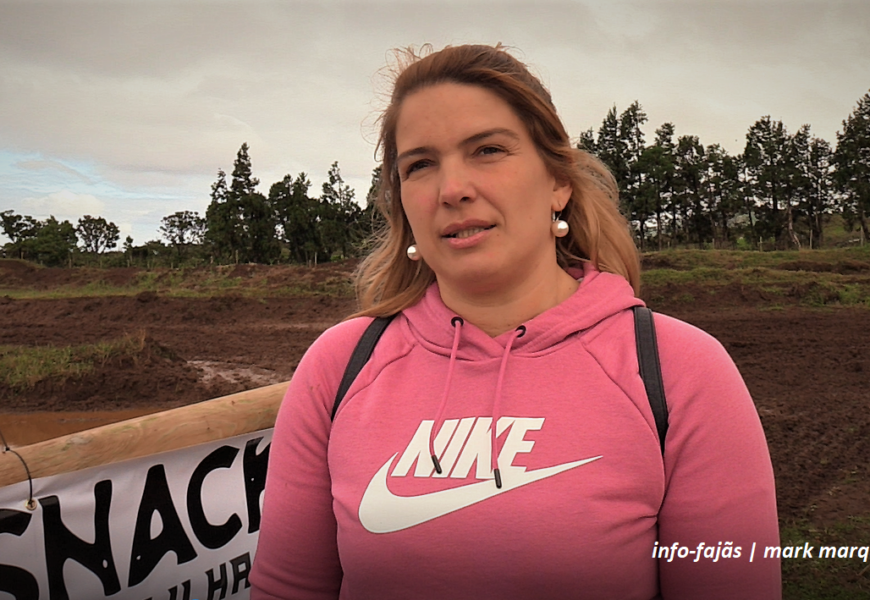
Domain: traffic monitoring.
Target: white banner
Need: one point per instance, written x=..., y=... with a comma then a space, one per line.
x=180, y=525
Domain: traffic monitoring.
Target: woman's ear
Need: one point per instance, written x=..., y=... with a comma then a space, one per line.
x=561, y=195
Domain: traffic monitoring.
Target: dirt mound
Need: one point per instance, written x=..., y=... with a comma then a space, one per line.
x=688, y=298
x=660, y=261
x=18, y=274
x=333, y=276
x=119, y=276
x=328, y=277
x=154, y=376
x=679, y=262
x=188, y=325
x=845, y=267
x=197, y=348
x=16, y=270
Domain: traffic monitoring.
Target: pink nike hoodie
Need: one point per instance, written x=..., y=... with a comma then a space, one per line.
x=587, y=506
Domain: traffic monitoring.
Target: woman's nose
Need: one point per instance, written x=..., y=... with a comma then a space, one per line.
x=456, y=183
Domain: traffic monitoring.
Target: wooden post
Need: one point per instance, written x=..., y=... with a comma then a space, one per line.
x=174, y=429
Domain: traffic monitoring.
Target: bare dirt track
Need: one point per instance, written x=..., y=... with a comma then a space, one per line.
x=809, y=374
x=808, y=369
x=195, y=348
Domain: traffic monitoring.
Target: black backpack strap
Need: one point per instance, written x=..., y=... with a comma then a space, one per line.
x=651, y=368
x=361, y=354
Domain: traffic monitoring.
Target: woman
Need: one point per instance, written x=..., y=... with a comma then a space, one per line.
x=499, y=443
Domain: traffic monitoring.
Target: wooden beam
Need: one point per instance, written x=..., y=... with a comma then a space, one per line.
x=190, y=425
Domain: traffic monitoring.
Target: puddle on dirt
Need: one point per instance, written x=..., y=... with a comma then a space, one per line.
x=235, y=373
x=21, y=429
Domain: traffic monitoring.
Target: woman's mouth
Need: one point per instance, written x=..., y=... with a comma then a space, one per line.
x=466, y=233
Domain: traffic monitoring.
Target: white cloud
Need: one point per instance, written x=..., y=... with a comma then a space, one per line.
x=125, y=229
x=64, y=205
x=52, y=165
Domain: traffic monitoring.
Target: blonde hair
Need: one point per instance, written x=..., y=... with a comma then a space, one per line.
x=387, y=282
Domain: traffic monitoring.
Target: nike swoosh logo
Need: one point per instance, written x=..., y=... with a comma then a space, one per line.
x=381, y=511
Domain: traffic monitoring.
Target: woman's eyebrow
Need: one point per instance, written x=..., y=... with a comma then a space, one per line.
x=413, y=152
x=477, y=137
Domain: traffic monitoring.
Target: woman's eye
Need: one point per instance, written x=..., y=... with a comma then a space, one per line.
x=489, y=150
x=415, y=166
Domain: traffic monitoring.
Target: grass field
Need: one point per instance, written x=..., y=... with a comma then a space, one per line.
x=23, y=367
x=833, y=276
x=30, y=281
x=826, y=579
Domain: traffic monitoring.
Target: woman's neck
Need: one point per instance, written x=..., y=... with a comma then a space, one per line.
x=501, y=310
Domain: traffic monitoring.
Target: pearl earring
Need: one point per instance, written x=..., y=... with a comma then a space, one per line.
x=412, y=252
x=560, y=227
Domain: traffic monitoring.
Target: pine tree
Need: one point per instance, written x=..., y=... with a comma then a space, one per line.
x=587, y=142
x=852, y=162
x=256, y=230
x=766, y=168
x=620, y=145
x=655, y=168
x=340, y=215
x=721, y=191
x=372, y=220
x=819, y=194
x=240, y=221
x=222, y=221
x=243, y=182
x=296, y=216
x=688, y=203
x=374, y=187
x=610, y=148
x=260, y=242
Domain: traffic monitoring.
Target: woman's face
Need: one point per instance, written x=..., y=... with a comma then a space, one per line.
x=476, y=192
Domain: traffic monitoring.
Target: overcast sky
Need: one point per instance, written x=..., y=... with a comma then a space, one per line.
x=127, y=109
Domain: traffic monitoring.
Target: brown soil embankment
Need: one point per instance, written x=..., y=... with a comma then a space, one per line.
x=808, y=369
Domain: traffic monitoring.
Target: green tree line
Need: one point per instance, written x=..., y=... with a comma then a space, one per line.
x=52, y=242
x=778, y=193
x=240, y=225
x=244, y=225
x=677, y=192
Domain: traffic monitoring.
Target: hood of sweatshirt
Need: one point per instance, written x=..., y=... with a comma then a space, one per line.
x=441, y=331
x=598, y=296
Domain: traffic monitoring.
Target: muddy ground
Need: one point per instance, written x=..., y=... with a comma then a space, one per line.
x=808, y=369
